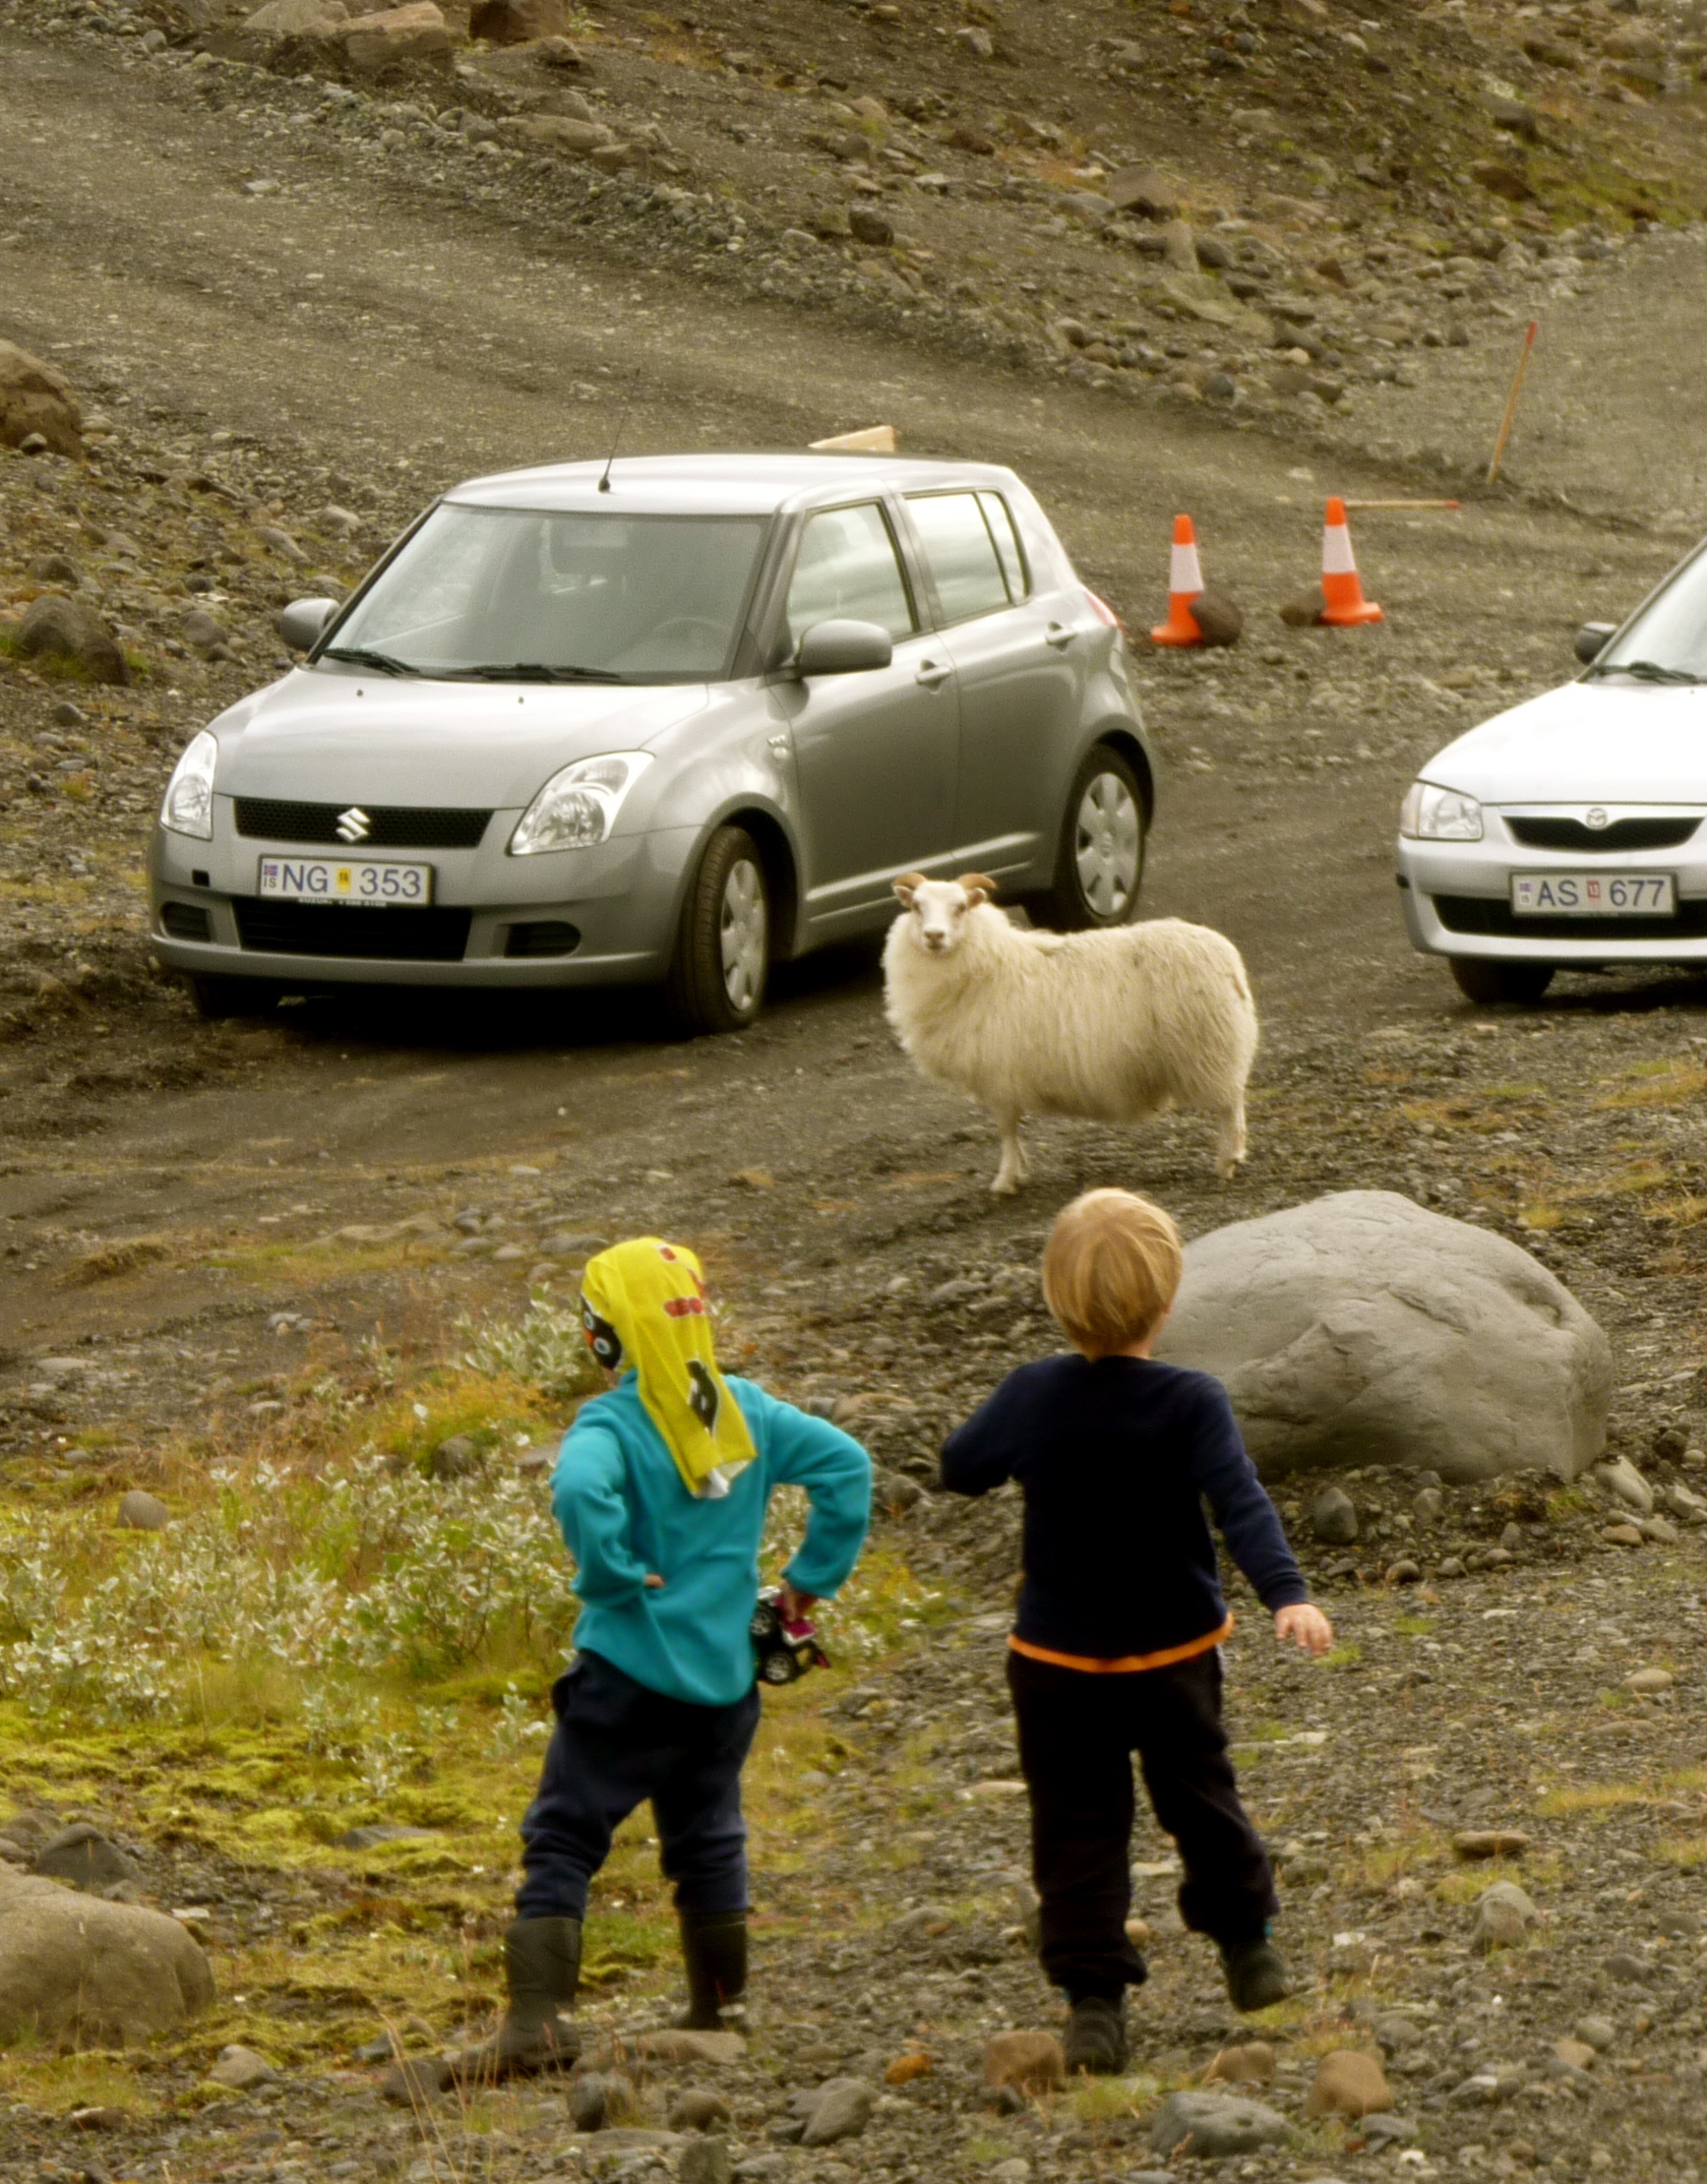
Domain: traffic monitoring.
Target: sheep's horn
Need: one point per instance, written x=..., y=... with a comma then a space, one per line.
x=905, y=886
x=978, y=883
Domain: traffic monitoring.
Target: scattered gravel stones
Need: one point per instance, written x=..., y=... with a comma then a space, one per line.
x=1363, y=1328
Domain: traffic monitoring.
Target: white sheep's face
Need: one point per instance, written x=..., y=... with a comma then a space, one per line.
x=938, y=909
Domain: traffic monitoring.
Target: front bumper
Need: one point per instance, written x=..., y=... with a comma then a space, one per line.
x=1457, y=899
x=592, y=917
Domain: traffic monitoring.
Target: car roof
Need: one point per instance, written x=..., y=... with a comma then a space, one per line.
x=717, y=484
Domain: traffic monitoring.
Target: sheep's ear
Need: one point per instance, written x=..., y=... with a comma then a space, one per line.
x=979, y=886
x=908, y=886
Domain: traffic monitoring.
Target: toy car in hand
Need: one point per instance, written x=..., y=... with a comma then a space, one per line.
x=784, y=1650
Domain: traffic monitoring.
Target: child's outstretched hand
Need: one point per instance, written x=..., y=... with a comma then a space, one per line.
x=1303, y=1626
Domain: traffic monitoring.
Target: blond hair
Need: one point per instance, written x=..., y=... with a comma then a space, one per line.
x=1110, y=1269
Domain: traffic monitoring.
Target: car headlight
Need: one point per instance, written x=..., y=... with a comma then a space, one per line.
x=187, y=805
x=579, y=805
x=1432, y=814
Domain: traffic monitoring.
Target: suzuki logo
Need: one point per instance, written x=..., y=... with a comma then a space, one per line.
x=354, y=825
x=1596, y=817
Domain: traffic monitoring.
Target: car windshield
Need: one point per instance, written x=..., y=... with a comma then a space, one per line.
x=527, y=595
x=1668, y=642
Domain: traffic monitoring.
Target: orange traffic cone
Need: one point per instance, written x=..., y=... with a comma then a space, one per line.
x=1343, y=602
x=1185, y=583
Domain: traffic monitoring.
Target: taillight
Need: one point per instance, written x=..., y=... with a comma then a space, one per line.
x=1105, y=612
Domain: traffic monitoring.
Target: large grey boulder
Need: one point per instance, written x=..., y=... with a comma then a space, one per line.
x=1363, y=1329
x=79, y=1971
x=1212, y=2124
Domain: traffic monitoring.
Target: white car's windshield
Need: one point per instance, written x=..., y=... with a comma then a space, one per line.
x=1668, y=642
x=536, y=595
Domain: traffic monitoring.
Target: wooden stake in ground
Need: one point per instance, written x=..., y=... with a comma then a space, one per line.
x=1511, y=401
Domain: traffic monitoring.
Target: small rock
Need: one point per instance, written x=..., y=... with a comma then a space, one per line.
x=202, y=629
x=1634, y=1971
x=1216, y=2124
x=1348, y=2082
x=395, y=38
x=85, y=1858
x=1382, y=2131
x=1626, y=1484
x=866, y=224
x=242, y=2070
x=36, y=400
x=976, y=41
x=696, y=2109
x=1217, y=617
x=517, y=22
x=1404, y=1571
x=67, y=715
x=719, y=2050
x=144, y=1512
x=706, y=2160
x=894, y=1492
x=905, y=2068
x=572, y=1244
x=57, y=628
x=415, y=2080
x=58, y=568
x=599, y=2099
x=1305, y=610
x=1504, y=1916
x=1179, y=246
x=842, y=2111
x=1143, y=190
x=1491, y=1842
x=1648, y=1683
x=458, y=1457
x=371, y=1837
x=1252, y=2064
x=1335, y=1517
x=1029, y=2062
x=1577, y=2054
x=281, y=542
x=1596, y=2033
x=1429, y=1506
x=1622, y=1535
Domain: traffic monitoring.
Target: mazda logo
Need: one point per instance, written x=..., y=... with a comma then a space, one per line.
x=354, y=825
x=1596, y=817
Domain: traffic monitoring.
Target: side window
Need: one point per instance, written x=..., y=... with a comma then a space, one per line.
x=1006, y=532
x=961, y=554
x=848, y=570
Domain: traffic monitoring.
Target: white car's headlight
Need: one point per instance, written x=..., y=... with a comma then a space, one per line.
x=187, y=805
x=1432, y=814
x=579, y=805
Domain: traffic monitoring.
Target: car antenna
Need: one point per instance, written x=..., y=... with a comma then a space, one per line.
x=604, y=483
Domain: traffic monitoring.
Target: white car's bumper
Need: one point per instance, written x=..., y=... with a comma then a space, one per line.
x=1458, y=895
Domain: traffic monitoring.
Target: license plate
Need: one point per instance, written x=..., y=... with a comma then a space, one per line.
x=1593, y=895
x=345, y=880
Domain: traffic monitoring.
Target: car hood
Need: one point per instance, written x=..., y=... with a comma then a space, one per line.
x=1587, y=742
x=327, y=738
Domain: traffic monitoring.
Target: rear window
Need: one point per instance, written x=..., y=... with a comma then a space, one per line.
x=1006, y=532
x=961, y=552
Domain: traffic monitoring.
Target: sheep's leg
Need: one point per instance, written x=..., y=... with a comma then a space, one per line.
x=1014, y=1168
x=1229, y=1141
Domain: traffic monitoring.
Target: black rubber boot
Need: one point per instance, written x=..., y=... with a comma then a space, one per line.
x=1255, y=1973
x=542, y=1970
x=1096, y=2035
x=714, y=1952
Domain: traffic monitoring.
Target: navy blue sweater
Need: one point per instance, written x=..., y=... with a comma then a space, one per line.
x=1117, y=1458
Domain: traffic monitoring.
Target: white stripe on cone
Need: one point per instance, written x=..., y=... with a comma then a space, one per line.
x=1183, y=573
x=1336, y=550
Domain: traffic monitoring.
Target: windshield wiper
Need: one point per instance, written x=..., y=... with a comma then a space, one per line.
x=529, y=671
x=1644, y=671
x=359, y=656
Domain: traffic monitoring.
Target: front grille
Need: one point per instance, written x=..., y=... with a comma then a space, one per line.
x=1624, y=834
x=1493, y=917
x=389, y=826
x=185, y=921
x=367, y=935
x=542, y=937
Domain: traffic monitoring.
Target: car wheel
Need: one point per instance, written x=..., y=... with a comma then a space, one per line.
x=1099, y=864
x=717, y=979
x=1480, y=980
x=219, y=997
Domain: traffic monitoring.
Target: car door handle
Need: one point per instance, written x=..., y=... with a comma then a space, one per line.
x=1060, y=635
x=933, y=673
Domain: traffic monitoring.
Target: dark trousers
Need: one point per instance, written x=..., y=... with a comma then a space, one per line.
x=617, y=1743
x=1078, y=1734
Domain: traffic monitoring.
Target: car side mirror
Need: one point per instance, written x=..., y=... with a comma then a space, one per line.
x=1590, y=641
x=303, y=623
x=843, y=648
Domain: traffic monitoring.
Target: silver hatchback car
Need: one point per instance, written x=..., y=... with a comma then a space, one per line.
x=667, y=719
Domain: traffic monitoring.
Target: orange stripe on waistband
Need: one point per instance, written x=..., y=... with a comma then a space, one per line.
x=1129, y=1663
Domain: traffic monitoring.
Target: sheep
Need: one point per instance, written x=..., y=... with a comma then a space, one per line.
x=1112, y=1026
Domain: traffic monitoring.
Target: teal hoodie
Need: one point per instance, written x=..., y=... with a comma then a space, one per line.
x=624, y=1511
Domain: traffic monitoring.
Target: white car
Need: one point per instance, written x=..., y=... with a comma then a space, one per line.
x=1571, y=833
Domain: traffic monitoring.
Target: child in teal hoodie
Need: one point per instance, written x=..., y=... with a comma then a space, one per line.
x=661, y=1492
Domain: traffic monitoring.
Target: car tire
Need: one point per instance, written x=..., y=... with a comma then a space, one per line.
x=217, y=999
x=1100, y=863
x=717, y=974
x=1480, y=980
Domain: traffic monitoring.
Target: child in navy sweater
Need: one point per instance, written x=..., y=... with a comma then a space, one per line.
x=1116, y=1648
